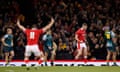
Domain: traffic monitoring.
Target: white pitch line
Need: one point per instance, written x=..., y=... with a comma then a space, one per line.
x=9, y=70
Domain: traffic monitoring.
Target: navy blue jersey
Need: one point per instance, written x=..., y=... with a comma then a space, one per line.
x=109, y=35
x=8, y=39
x=48, y=40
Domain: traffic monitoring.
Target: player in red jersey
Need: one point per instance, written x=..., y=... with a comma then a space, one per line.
x=32, y=40
x=80, y=36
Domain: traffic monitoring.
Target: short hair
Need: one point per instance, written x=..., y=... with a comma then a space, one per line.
x=8, y=28
x=34, y=26
x=84, y=24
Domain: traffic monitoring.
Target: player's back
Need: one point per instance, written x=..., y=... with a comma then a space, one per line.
x=33, y=36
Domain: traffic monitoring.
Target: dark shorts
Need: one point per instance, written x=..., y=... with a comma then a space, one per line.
x=112, y=49
x=7, y=49
x=46, y=49
x=111, y=46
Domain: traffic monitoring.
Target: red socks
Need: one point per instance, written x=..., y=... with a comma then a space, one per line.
x=26, y=61
x=40, y=61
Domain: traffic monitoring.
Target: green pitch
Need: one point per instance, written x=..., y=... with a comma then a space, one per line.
x=62, y=69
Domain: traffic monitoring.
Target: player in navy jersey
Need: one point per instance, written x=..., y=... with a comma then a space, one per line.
x=7, y=42
x=49, y=47
x=111, y=39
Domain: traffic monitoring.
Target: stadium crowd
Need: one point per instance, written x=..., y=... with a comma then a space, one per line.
x=69, y=16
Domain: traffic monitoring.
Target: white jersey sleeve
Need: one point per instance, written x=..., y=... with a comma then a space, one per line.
x=112, y=34
x=6, y=36
x=44, y=37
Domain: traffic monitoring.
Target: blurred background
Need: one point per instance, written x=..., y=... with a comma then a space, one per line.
x=69, y=16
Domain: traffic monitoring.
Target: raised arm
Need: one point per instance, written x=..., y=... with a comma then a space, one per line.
x=20, y=26
x=49, y=25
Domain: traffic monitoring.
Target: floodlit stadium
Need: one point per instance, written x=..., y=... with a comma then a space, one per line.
x=59, y=35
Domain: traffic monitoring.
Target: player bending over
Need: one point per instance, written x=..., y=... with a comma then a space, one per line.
x=7, y=41
x=80, y=36
x=49, y=47
x=32, y=40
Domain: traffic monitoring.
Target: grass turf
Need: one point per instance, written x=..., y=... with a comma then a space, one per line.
x=62, y=69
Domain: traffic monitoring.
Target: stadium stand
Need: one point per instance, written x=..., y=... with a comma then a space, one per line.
x=69, y=16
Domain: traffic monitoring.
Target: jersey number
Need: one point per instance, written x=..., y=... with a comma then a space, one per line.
x=32, y=35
